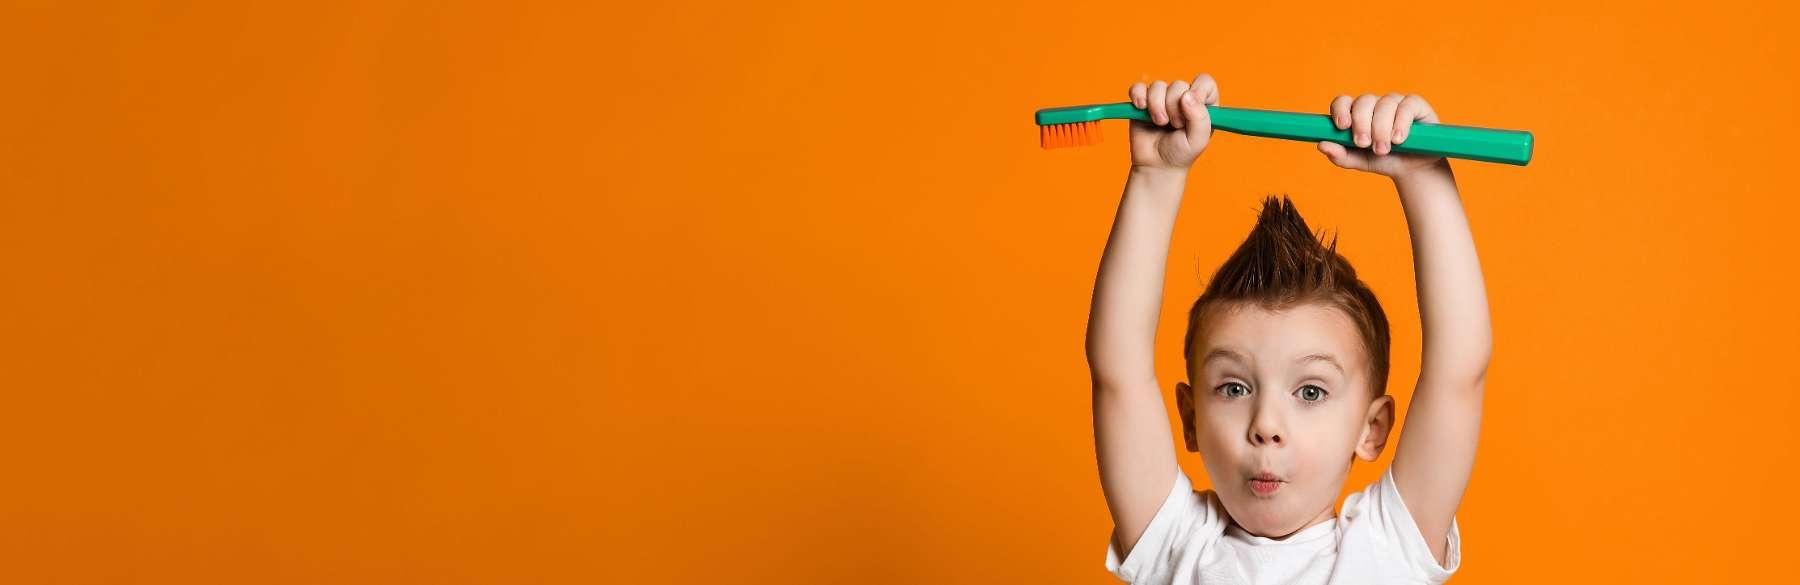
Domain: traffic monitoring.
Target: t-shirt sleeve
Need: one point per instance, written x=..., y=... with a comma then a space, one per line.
x=1387, y=511
x=1184, y=515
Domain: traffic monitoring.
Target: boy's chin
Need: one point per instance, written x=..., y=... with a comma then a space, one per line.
x=1269, y=517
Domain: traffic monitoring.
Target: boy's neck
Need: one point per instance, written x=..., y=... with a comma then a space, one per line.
x=1325, y=515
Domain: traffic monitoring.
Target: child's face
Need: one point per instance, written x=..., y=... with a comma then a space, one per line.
x=1283, y=393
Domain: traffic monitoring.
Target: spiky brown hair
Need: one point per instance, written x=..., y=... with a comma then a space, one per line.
x=1282, y=264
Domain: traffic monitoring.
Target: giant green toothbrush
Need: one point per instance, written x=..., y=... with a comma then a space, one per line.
x=1080, y=125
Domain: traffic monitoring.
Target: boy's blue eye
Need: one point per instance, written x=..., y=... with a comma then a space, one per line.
x=1233, y=390
x=1311, y=393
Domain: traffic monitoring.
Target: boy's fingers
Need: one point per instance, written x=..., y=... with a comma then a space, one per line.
x=1359, y=119
x=1423, y=112
x=1412, y=108
x=1208, y=88
x=1176, y=117
x=1137, y=93
x=1381, y=122
x=1199, y=121
x=1159, y=101
x=1340, y=111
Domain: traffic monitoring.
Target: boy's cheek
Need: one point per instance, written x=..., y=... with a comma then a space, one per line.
x=1220, y=448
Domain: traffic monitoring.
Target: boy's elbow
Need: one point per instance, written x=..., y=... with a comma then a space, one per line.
x=1468, y=371
x=1477, y=357
x=1467, y=363
x=1106, y=380
x=1114, y=364
x=1468, y=386
x=1473, y=377
x=1480, y=356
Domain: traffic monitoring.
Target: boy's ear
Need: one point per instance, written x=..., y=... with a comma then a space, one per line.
x=1376, y=426
x=1184, y=403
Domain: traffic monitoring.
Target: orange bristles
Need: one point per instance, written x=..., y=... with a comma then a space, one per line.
x=1077, y=134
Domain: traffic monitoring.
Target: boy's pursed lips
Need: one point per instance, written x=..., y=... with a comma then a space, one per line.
x=1265, y=482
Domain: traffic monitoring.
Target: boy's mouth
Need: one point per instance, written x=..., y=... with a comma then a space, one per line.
x=1266, y=483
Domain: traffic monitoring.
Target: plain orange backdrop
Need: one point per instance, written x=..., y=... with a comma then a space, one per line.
x=786, y=292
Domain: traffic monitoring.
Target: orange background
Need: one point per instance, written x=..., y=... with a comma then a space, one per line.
x=786, y=292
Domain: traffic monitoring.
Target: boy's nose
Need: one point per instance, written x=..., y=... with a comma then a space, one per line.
x=1266, y=425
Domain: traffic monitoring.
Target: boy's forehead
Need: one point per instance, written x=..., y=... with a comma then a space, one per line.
x=1254, y=333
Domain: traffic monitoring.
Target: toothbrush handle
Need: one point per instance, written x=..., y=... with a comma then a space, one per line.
x=1465, y=142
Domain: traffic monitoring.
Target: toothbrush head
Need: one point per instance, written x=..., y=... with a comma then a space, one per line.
x=1080, y=125
x=1074, y=134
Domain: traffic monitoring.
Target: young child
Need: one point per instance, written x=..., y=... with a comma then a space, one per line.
x=1287, y=354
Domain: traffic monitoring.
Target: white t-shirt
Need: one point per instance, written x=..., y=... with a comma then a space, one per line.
x=1372, y=540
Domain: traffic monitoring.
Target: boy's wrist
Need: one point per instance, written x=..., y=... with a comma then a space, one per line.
x=1161, y=176
x=1435, y=175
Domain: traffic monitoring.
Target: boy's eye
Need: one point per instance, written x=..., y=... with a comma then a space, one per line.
x=1233, y=390
x=1311, y=393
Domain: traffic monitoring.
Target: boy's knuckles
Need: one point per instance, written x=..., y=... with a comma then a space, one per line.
x=1383, y=121
x=1360, y=113
x=1158, y=99
x=1176, y=91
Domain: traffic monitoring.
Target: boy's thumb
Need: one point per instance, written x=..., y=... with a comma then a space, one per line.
x=1199, y=121
x=1340, y=156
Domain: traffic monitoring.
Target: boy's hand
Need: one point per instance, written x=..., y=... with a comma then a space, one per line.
x=1179, y=126
x=1377, y=123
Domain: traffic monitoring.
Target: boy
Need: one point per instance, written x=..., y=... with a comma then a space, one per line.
x=1287, y=354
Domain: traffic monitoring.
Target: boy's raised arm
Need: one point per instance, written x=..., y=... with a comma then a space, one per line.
x=1132, y=439
x=1443, y=425
x=1437, y=449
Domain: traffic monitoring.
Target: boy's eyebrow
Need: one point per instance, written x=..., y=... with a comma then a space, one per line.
x=1322, y=357
x=1223, y=353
